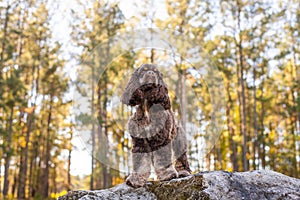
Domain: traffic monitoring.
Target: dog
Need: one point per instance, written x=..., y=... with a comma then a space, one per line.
x=156, y=135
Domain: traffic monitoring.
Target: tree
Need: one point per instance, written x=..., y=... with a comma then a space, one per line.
x=105, y=19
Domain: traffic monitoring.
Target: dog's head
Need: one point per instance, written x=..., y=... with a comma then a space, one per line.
x=149, y=74
x=146, y=82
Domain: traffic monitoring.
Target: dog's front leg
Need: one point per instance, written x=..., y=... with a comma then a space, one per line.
x=162, y=161
x=141, y=158
x=141, y=169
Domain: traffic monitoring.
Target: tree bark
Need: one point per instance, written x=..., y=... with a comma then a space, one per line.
x=261, y=138
x=45, y=183
x=8, y=153
x=104, y=167
x=293, y=117
x=255, y=125
x=93, y=129
x=232, y=145
x=69, y=158
x=241, y=88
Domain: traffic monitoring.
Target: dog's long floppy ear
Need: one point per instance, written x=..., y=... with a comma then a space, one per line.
x=160, y=94
x=130, y=89
x=163, y=96
x=160, y=80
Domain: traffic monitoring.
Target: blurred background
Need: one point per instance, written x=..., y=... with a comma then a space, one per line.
x=255, y=45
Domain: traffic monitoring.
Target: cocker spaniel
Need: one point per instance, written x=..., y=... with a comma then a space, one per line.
x=155, y=133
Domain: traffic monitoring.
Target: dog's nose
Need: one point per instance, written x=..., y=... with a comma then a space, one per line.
x=151, y=73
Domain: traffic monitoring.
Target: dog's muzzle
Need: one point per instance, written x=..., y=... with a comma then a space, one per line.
x=149, y=77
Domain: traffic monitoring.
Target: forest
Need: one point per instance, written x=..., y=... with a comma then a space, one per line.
x=62, y=75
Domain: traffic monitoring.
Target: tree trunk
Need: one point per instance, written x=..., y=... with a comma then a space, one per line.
x=100, y=130
x=32, y=157
x=208, y=161
x=261, y=138
x=152, y=56
x=45, y=183
x=232, y=145
x=184, y=103
x=293, y=117
x=8, y=154
x=32, y=168
x=255, y=125
x=241, y=88
x=181, y=93
x=104, y=167
x=69, y=158
x=14, y=186
x=93, y=129
x=40, y=152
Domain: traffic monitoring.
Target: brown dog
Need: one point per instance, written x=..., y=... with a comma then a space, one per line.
x=154, y=131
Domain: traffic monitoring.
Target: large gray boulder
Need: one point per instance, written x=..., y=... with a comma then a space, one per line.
x=260, y=185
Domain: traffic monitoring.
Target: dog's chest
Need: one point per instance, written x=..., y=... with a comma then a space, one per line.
x=145, y=121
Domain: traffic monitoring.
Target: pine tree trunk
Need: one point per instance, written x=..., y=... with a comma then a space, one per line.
x=45, y=183
x=255, y=125
x=152, y=56
x=241, y=88
x=14, y=185
x=99, y=131
x=93, y=129
x=69, y=158
x=184, y=101
x=232, y=145
x=261, y=137
x=30, y=173
x=32, y=168
x=104, y=167
x=293, y=117
x=8, y=154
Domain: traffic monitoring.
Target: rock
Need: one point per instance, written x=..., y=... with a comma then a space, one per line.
x=217, y=185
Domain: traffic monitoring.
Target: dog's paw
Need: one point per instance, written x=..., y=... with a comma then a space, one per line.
x=135, y=180
x=167, y=174
x=183, y=173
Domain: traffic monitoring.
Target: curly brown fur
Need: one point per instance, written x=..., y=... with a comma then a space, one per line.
x=154, y=131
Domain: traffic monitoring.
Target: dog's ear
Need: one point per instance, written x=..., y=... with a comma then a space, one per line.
x=131, y=87
x=164, y=97
x=160, y=80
